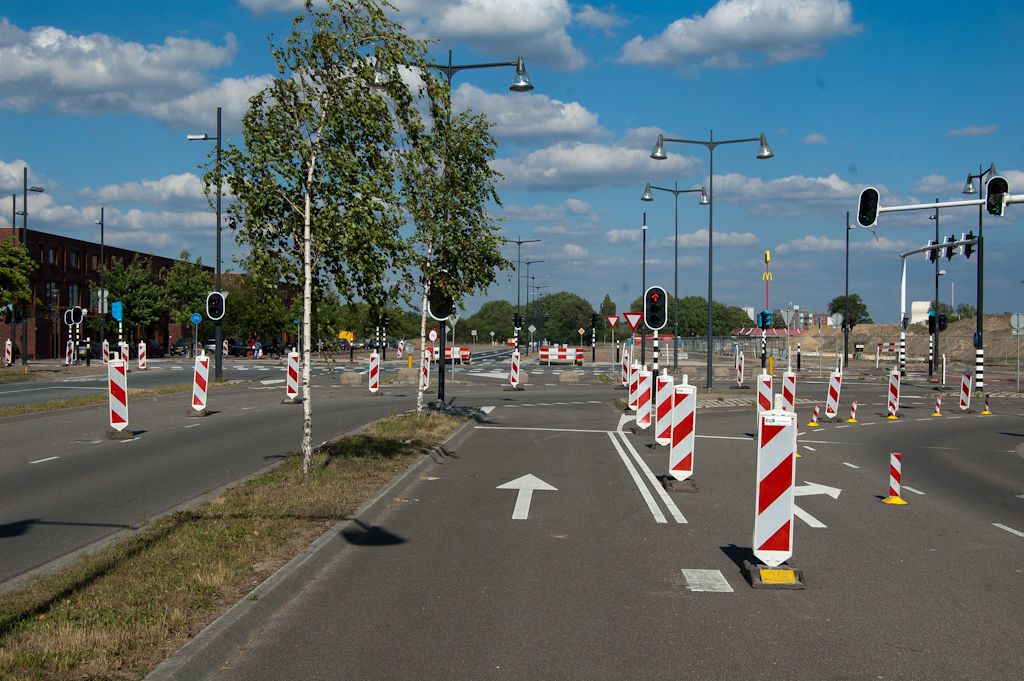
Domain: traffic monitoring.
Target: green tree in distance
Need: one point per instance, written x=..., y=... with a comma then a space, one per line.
x=136, y=287
x=186, y=286
x=15, y=266
x=858, y=310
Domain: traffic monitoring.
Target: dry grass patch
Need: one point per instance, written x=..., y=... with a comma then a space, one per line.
x=119, y=613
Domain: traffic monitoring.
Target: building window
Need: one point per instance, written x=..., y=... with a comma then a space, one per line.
x=51, y=255
x=74, y=295
x=74, y=259
x=52, y=293
x=94, y=262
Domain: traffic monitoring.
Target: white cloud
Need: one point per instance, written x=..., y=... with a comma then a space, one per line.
x=815, y=138
x=938, y=185
x=574, y=208
x=699, y=239
x=824, y=244
x=595, y=18
x=171, y=190
x=47, y=68
x=532, y=118
x=623, y=236
x=735, y=30
x=972, y=131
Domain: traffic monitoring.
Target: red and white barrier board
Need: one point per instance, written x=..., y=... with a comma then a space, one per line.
x=550, y=355
x=835, y=389
x=374, y=372
x=462, y=354
x=200, y=382
x=789, y=391
x=634, y=378
x=225, y=349
x=625, y=367
x=965, y=391
x=739, y=368
x=643, y=399
x=663, y=410
x=292, y=379
x=117, y=381
x=893, y=404
x=776, y=476
x=684, y=409
x=7, y=353
x=514, y=375
x=764, y=392
x=142, y=356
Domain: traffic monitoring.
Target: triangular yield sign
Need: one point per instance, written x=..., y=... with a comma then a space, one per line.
x=612, y=320
x=633, y=319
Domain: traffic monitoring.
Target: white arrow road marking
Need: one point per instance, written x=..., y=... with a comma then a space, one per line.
x=1009, y=529
x=525, y=484
x=807, y=517
x=706, y=580
x=911, y=489
x=809, y=488
x=487, y=410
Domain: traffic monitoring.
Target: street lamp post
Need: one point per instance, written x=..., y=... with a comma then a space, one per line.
x=648, y=196
x=519, y=259
x=102, y=299
x=933, y=359
x=219, y=323
x=763, y=152
x=528, y=263
x=846, y=313
x=25, y=189
x=979, y=351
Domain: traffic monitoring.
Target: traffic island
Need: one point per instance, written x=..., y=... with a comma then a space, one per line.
x=202, y=412
x=350, y=378
x=119, y=435
x=781, y=577
x=673, y=485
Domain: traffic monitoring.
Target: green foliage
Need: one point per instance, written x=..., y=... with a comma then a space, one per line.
x=966, y=311
x=254, y=307
x=943, y=308
x=15, y=266
x=494, y=315
x=693, y=317
x=186, y=285
x=136, y=287
x=858, y=310
x=566, y=314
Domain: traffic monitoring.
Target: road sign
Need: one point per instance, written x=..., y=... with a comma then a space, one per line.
x=836, y=319
x=531, y=328
x=633, y=319
x=581, y=331
x=526, y=485
x=196, y=317
x=432, y=335
x=612, y=320
x=117, y=311
x=1017, y=320
x=787, y=315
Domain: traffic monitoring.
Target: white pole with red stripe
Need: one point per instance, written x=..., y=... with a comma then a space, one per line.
x=938, y=406
x=142, y=356
x=853, y=413
x=106, y=352
x=7, y=353
x=643, y=404
x=200, y=382
x=776, y=477
x=894, y=393
x=425, y=376
x=814, y=418
x=965, y=391
x=634, y=385
x=374, y=372
x=292, y=379
x=764, y=392
x=225, y=348
x=835, y=388
x=789, y=391
x=67, y=353
x=117, y=390
x=895, y=473
x=625, y=367
x=663, y=410
x=513, y=377
x=684, y=409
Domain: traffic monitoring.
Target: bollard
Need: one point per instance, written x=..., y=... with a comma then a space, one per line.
x=292, y=380
x=789, y=391
x=853, y=413
x=986, y=407
x=374, y=379
x=663, y=410
x=938, y=406
x=895, y=471
x=117, y=399
x=200, y=384
x=814, y=419
x=835, y=388
x=965, y=391
x=643, y=404
x=764, y=392
x=894, y=393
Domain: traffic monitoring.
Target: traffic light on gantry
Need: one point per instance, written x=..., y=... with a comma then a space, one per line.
x=968, y=248
x=655, y=308
x=995, y=200
x=867, y=207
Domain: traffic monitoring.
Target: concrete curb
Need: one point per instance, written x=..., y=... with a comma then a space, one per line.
x=219, y=642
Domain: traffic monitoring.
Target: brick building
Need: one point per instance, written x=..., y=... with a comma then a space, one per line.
x=68, y=274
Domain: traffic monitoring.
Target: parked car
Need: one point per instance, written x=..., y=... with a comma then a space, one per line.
x=210, y=345
x=153, y=349
x=342, y=345
x=359, y=343
x=236, y=348
x=184, y=347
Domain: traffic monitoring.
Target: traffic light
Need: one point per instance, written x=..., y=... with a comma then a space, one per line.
x=8, y=314
x=948, y=250
x=968, y=248
x=932, y=254
x=385, y=320
x=931, y=322
x=943, y=322
x=765, y=319
x=439, y=304
x=655, y=315
x=593, y=321
x=995, y=199
x=867, y=208
x=19, y=315
x=77, y=314
x=215, y=305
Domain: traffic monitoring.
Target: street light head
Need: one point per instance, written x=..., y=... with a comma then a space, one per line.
x=379, y=75
x=764, y=151
x=659, y=149
x=969, y=187
x=647, y=195
x=992, y=170
x=704, y=197
x=195, y=138
x=36, y=189
x=941, y=272
x=521, y=81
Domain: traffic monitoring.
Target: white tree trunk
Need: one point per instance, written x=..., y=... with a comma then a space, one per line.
x=307, y=311
x=423, y=352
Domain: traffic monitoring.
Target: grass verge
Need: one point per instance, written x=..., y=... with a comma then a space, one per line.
x=86, y=400
x=117, y=614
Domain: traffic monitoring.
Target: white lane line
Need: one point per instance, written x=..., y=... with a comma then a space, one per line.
x=850, y=465
x=272, y=381
x=838, y=427
x=867, y=424
x=651, y=503
x=551, y=430
x=712, y=581
x=724, y=437
x=807, y=517
x=810, y=449
x=194, y=425
x=911, y=489
x=49, y=458
x=1009, y=529
x=665, y=498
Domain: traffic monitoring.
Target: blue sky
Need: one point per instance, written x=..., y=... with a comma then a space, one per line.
x=96, y=100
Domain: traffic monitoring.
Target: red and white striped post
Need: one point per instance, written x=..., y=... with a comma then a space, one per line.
x=776, y=477
x=835, y=389
x=67, y=353
x=938, y=406
x=764, y=392
x=895, y=472
x=814, y=419
x=643, y=397
x=225, y=348
x=7, y=353
x=739, y=367
x=142, y=356
x=684, y=409
x=513, y=377
x=965, y=391
x=106, y=352
x=789, y=391
x=117, y=390
x=200, y=383
x=853, y=413
x=374, y=372
x=894, y=393
x=663, y=410
x=625, y=367
x=425, y=376
x=634, y=385
x=986, y=407
x=292, y=380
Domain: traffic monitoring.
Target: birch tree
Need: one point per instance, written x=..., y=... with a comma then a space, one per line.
x=315, y=182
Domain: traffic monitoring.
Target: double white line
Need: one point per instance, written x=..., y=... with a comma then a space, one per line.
x=652, y=504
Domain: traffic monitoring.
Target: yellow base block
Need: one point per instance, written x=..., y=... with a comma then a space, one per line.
x=890, y=416
x=797, y=455
x=896, y=501
x=987, y=412
x=936, y=414
x=851, y=420
x=813, y=425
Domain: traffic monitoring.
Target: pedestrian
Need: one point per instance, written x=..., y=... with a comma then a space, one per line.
x=88, y=351
x=257, y=349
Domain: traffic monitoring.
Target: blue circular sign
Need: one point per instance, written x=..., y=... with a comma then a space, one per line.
x=196, y=317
